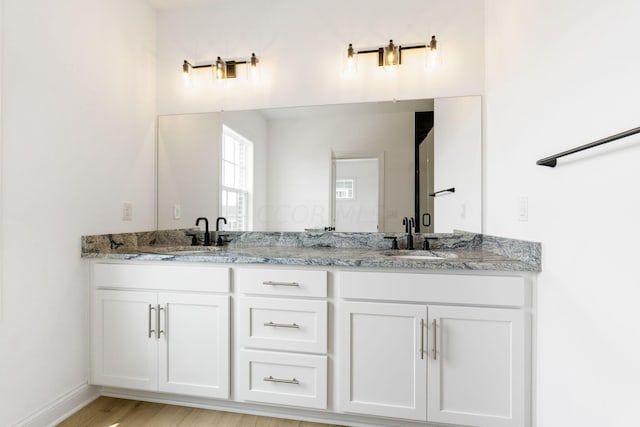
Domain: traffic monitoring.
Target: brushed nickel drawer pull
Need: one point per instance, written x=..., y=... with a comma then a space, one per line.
x=435, y=340
x=160, y=331
x=421, y=338
x=278, y=380
x=151, y=331
x=270, y=283
x=282, y=325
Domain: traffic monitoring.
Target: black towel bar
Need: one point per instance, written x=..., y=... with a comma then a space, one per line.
x=448, y=190
x=551, y=161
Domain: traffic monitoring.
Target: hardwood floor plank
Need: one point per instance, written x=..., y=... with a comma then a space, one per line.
x=102, y=412
x=110, y=412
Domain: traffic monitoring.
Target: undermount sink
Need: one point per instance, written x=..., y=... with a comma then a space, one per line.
x=419, y=255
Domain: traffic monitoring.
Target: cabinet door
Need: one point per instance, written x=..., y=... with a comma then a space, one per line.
x=382, y=366
x=476, y=366
x=194, y=344
x=124, y=339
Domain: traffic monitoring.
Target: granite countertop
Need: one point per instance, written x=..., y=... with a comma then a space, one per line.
x=462, y=251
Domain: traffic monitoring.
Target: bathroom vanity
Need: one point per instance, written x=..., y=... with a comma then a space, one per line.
x=354, y=336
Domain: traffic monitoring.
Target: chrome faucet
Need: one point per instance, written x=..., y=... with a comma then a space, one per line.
x=207, y=236
x=409, y=223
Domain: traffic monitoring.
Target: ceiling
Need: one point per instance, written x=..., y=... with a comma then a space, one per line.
x=178, y=4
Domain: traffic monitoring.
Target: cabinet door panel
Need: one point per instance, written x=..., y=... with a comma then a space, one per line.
x=194, y=344
x=124, y=355
x=476, y=377
x=381, y=367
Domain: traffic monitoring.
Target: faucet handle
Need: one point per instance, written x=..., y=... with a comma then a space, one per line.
x=194, y=239
x=425, y=242
x=394, y=243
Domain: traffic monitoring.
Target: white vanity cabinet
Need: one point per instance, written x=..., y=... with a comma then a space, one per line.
x=151, y=331
x=438, y=361
x=282, y=336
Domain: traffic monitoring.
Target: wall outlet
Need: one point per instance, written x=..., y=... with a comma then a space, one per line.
x=177, y=211
x=127, y=211
x=523, y=209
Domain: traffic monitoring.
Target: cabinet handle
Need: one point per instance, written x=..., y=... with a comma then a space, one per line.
x=270, y=283
x=278, y=380
x=160, y=331
x=151, y=308
x=435, y=340
x=282, y=325
x=421, y=338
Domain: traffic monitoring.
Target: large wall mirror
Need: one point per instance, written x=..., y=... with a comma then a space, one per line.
x=348, y=167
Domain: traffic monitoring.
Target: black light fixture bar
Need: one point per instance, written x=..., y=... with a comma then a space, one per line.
x=230, y=66
x=380, y=52
x=551, y=161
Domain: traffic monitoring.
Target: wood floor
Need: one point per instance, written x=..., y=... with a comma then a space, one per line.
x=112, y=412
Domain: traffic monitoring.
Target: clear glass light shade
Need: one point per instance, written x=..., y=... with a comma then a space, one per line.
x=350, y=66
x=391, y=57
x=253, y=70
x=434, y=53
x=186, y=71
x=220, y=69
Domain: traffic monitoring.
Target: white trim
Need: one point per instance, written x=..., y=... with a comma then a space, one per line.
x=61, y=408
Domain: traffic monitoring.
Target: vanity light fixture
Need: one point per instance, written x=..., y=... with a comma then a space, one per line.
x=390, y=56
x=222, y=69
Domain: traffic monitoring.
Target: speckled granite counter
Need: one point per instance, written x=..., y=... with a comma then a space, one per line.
x=455, y=251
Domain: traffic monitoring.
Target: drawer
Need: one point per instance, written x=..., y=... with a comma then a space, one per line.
x=198, y=278
x=283, y=379
x=302, y=283
x=475, y=289
x=283, y=324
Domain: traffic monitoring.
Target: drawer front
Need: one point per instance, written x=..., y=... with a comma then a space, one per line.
x=510, y=291
x=283, y=324
x=161, y=276
x=283, y=379
x=282, y=282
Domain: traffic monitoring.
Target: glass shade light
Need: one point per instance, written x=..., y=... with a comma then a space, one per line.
x=391, y=56
x=220, y=69
x=252, y=68
x=434, y=54
x=351, y=61
x=186, y=69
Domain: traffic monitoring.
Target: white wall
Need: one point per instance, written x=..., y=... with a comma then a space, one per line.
x=188, y=168
x=78, y=101
x=561, y=74
x=457, y=149
x=295, y=168
x=301, y=46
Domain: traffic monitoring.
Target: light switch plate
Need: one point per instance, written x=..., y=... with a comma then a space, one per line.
x=127, y=211
x=523, y=209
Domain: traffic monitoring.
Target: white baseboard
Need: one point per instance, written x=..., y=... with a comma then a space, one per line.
x=57, y=410
x=309, y=415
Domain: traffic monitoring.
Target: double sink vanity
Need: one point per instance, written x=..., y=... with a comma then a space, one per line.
x=327, y=326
